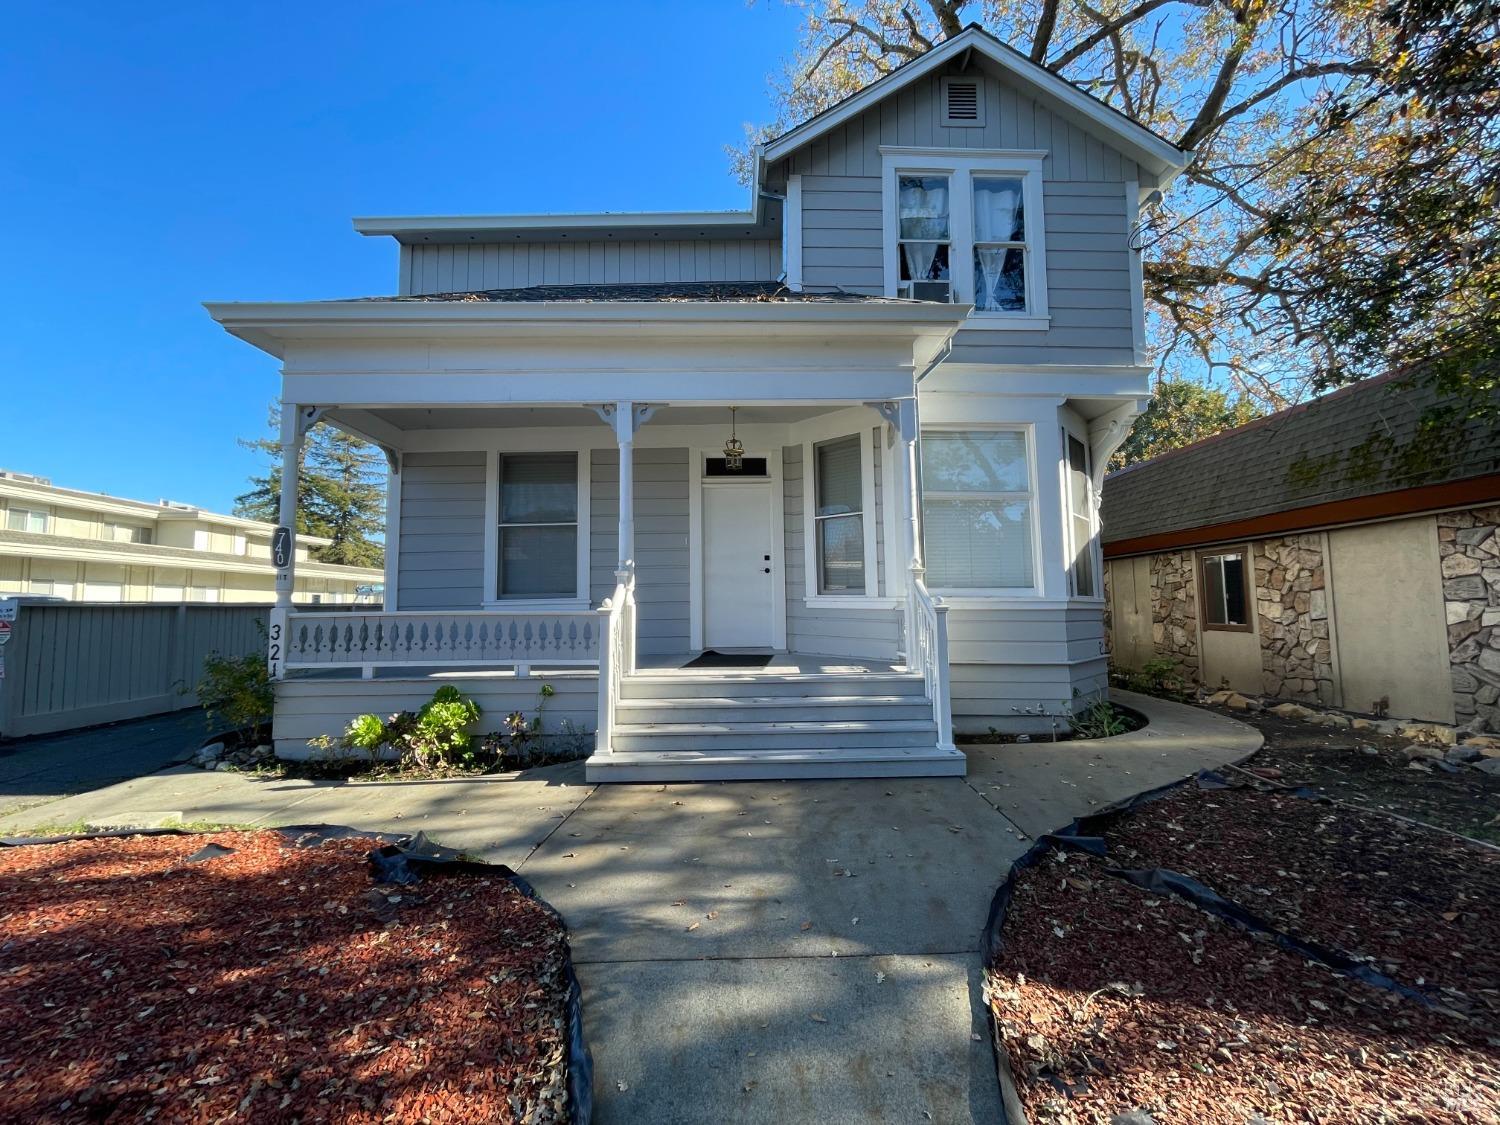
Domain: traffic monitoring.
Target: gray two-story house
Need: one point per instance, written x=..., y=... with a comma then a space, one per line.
x=796, y=491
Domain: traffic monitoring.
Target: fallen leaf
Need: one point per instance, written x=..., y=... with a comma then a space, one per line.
x=818, y=1017
x=694, y=926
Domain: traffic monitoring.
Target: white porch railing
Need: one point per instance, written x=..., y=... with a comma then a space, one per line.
x=927, y=652
x=490, y=637
x=616, y=654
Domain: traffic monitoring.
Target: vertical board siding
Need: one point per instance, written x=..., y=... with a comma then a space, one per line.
x=469, y=267
x=662, y=584
x=76, y=665
x=825, y=630
x=1088, y=278
x=441, y=543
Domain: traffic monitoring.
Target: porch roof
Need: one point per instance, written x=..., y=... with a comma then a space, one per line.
x=668, y=291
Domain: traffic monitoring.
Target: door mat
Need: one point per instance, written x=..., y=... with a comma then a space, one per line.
x=712, y=659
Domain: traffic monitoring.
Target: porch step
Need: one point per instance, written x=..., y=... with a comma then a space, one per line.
x=739, y=684
x=777, y=764
x=773, y=709
x=721, y=737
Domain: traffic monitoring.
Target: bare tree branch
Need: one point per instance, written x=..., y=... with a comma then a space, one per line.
x=1042, y=38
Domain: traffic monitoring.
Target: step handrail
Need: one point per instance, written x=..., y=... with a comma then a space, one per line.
x=927, y=644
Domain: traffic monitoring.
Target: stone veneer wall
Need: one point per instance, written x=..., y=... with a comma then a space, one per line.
x=1291, y=594
x=1174, y=611
x=1469, y=551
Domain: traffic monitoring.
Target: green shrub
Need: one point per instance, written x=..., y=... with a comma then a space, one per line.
x=236, y=691
x=1101, y=719
x=365, y=732
x=438, y=736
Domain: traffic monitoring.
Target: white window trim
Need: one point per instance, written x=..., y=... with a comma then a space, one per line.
x=1071, y=547
x=870, y=599
x=45, y=513
x=988, y=594
x=492, y=599
x=961, y=168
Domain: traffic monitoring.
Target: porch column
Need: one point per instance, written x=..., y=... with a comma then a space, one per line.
x=910, y=474
x=284, y=546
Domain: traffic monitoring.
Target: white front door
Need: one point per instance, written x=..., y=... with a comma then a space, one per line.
x=738, y=576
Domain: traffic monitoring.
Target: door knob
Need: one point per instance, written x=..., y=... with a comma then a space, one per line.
x=768, y=570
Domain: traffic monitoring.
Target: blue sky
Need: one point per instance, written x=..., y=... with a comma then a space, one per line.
x=158, y=156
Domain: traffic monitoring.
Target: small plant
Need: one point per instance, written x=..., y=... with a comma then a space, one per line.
x=1101, y=719
x=365, y=732
x=236, y=691
x=439, y=735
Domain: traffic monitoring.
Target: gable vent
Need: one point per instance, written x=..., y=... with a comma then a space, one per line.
x=961, y=102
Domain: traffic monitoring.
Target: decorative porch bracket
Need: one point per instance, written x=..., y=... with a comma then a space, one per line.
x=1106, y=434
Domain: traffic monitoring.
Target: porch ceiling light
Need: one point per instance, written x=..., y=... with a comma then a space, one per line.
x=734, y=452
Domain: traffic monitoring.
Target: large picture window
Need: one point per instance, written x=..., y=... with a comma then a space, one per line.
x=838, y=519
x=1080, y=519
x=538, y=549
x=977, y=510
x=1226, y=602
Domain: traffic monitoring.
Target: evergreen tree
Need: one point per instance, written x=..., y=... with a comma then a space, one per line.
x=1182, y=411
x=340, y=492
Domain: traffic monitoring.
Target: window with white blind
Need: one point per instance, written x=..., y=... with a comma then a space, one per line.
x=1080, y=520
x=538, y=534
x=977, y=510
x=839, y=518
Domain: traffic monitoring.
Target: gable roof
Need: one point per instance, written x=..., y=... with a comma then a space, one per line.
x=1133, y=139
x=1321, y=454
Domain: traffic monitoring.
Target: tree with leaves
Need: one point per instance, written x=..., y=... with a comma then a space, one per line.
x=1181, y=412
x=340, y=492
x=1312, y=139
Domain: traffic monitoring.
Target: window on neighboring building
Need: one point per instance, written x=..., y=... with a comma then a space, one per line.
x=1080, y=519
x=977, y=510
x=26, y=519
x=838, y=518
x=924, y=238
x=1226, y=603
x=538, y=548
x=205, y=594
x=126, y=533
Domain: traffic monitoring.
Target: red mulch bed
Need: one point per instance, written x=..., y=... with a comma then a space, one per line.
x=1111, y=999
x=272, y=984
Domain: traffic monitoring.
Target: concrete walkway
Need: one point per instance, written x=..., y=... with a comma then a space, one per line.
x=761, y=952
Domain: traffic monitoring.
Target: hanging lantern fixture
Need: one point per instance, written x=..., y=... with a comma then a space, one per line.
x=734, y=452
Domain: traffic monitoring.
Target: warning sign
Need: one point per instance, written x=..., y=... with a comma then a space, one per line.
x=5, y=628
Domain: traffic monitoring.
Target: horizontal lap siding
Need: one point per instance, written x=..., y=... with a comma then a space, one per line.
x=454, y=268
x=662, y=591
x=307, y=708
x=441, y=540
x=825, y=631
x=1087, y=262
x=1004, y=661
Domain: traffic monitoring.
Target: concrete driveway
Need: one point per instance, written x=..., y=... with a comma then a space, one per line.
x=755, y=951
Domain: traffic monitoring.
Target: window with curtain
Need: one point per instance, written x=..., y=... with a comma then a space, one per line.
x=976, y=509
x=26, y=519
x=1225, y=597
x=538, y=525
x=839, y=520
x=923, y=238
x=1081, y=519
x=999, y=244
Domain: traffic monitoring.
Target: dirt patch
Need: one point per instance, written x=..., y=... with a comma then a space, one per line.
x=271, y=983
x=1368, y=769
x=1111, y=998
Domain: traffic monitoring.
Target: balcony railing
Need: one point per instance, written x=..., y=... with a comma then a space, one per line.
x=367, y=641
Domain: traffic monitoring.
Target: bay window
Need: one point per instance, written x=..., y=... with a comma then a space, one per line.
x=538, y=532
x=967, y=227
x=977, y=501
x=838, y=517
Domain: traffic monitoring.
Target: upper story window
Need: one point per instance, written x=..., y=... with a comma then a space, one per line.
x=126, y=533
x=26, y=519
x=967, y=227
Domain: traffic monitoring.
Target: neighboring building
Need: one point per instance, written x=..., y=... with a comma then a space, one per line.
x=1319, y=554
x=89, y=547
x=556, y=395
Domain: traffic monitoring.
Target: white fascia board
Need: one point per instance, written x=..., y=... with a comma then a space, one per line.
x=269, y=326
x=145, y=554
x=1136, y=141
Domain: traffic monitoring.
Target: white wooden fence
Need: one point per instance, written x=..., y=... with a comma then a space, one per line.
x=74, y=665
